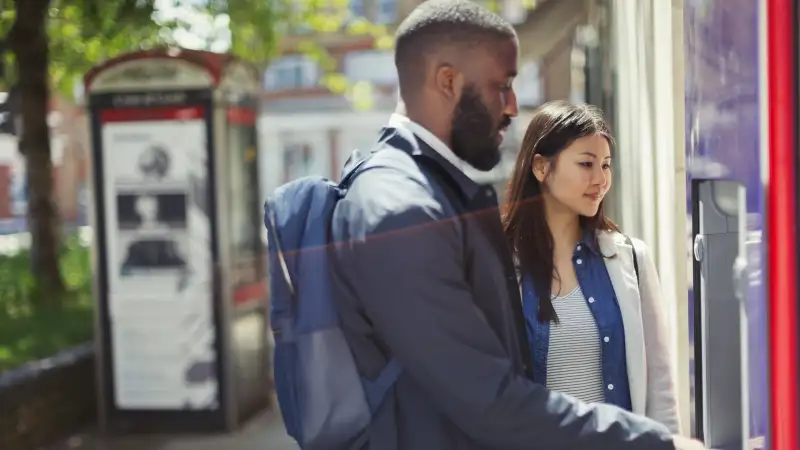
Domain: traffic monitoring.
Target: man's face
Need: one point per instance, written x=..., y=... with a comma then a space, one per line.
x=486, y=105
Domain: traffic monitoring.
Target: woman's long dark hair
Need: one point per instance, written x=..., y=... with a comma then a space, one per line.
x=554, y=127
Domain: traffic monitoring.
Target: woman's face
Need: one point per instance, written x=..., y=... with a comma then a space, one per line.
x=579, y=177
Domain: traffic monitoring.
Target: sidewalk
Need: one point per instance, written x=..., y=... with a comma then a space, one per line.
x=264, y=432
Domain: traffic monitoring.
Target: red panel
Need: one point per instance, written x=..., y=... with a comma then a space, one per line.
x=253, y=292
x=781, y=216
x=141, y=114
x=213, y=62
x=241, y=116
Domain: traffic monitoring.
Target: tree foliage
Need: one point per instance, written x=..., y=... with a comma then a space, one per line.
x=82, y=33
x=50, y=44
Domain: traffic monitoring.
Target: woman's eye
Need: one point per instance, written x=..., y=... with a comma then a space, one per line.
x=606, y=166
x=586, y=164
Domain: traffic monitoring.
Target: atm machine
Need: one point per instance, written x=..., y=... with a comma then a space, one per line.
x=722, y=413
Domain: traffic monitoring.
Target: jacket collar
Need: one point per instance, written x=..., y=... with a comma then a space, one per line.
x=405, y=140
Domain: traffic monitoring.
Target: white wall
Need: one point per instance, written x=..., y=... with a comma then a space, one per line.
x=10, y=156
x=330, y=136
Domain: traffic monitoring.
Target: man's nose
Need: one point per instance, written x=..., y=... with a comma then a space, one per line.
x=511, y=109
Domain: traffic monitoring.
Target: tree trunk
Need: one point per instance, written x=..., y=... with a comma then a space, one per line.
x=28, y=41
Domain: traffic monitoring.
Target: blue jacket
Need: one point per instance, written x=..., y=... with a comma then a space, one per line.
x=595, y=283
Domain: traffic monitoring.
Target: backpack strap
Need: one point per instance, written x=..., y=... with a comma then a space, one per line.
x=375, y=390
x=279, y=251
x=388, y=137
x=635, y=258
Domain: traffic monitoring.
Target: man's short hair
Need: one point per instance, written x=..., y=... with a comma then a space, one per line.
x=436, y=24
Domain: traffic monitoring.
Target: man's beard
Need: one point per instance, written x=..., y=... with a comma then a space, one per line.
x=475, y=133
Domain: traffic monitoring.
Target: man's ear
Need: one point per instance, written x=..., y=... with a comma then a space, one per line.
x=540, y=167
x=449, y=81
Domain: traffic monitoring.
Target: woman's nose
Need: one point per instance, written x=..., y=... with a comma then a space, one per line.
x=600, y=177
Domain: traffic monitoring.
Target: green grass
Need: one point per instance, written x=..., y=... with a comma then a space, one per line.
x=33, y=326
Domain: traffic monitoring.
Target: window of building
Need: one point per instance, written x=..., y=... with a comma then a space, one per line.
x=528, y=85
x=515, y=11
x=371, y=65
x=291, y=72
x=357, y=8
x=298, y=160
x=386, y=11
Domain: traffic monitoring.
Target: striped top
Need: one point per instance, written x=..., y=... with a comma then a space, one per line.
x=574, y=359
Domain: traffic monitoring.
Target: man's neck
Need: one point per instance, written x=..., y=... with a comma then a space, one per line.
x=422, y=118
x=434, y=142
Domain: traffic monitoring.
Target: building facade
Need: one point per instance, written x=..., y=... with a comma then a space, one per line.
x=306, y=129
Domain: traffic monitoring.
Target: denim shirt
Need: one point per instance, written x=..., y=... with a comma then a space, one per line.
x=595, y=283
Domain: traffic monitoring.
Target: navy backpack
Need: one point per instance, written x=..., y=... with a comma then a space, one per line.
x=324, y=401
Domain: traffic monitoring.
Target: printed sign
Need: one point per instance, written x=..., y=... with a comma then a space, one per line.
x=158, y=234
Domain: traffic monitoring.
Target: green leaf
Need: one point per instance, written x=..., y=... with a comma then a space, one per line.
x=362, y=96
x=335, y=82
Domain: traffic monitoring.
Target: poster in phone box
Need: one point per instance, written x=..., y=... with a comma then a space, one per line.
x=159, y=264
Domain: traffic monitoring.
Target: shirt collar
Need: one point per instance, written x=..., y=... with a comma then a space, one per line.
x=589, y=240
x=398, y=120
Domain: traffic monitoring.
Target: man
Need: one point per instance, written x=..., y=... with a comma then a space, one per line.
x=422, y=270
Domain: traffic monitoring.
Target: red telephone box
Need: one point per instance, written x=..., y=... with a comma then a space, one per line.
x=180, y=276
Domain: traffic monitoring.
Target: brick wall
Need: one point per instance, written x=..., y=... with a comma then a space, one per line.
x=47, y=400
x=66, y=187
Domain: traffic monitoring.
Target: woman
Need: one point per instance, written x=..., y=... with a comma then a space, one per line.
x=595, y=320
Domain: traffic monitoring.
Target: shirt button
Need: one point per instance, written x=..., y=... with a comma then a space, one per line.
x=579, y=247
x=610, y=387
x=591, y=299
x=579, y=261
x=606, y=339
